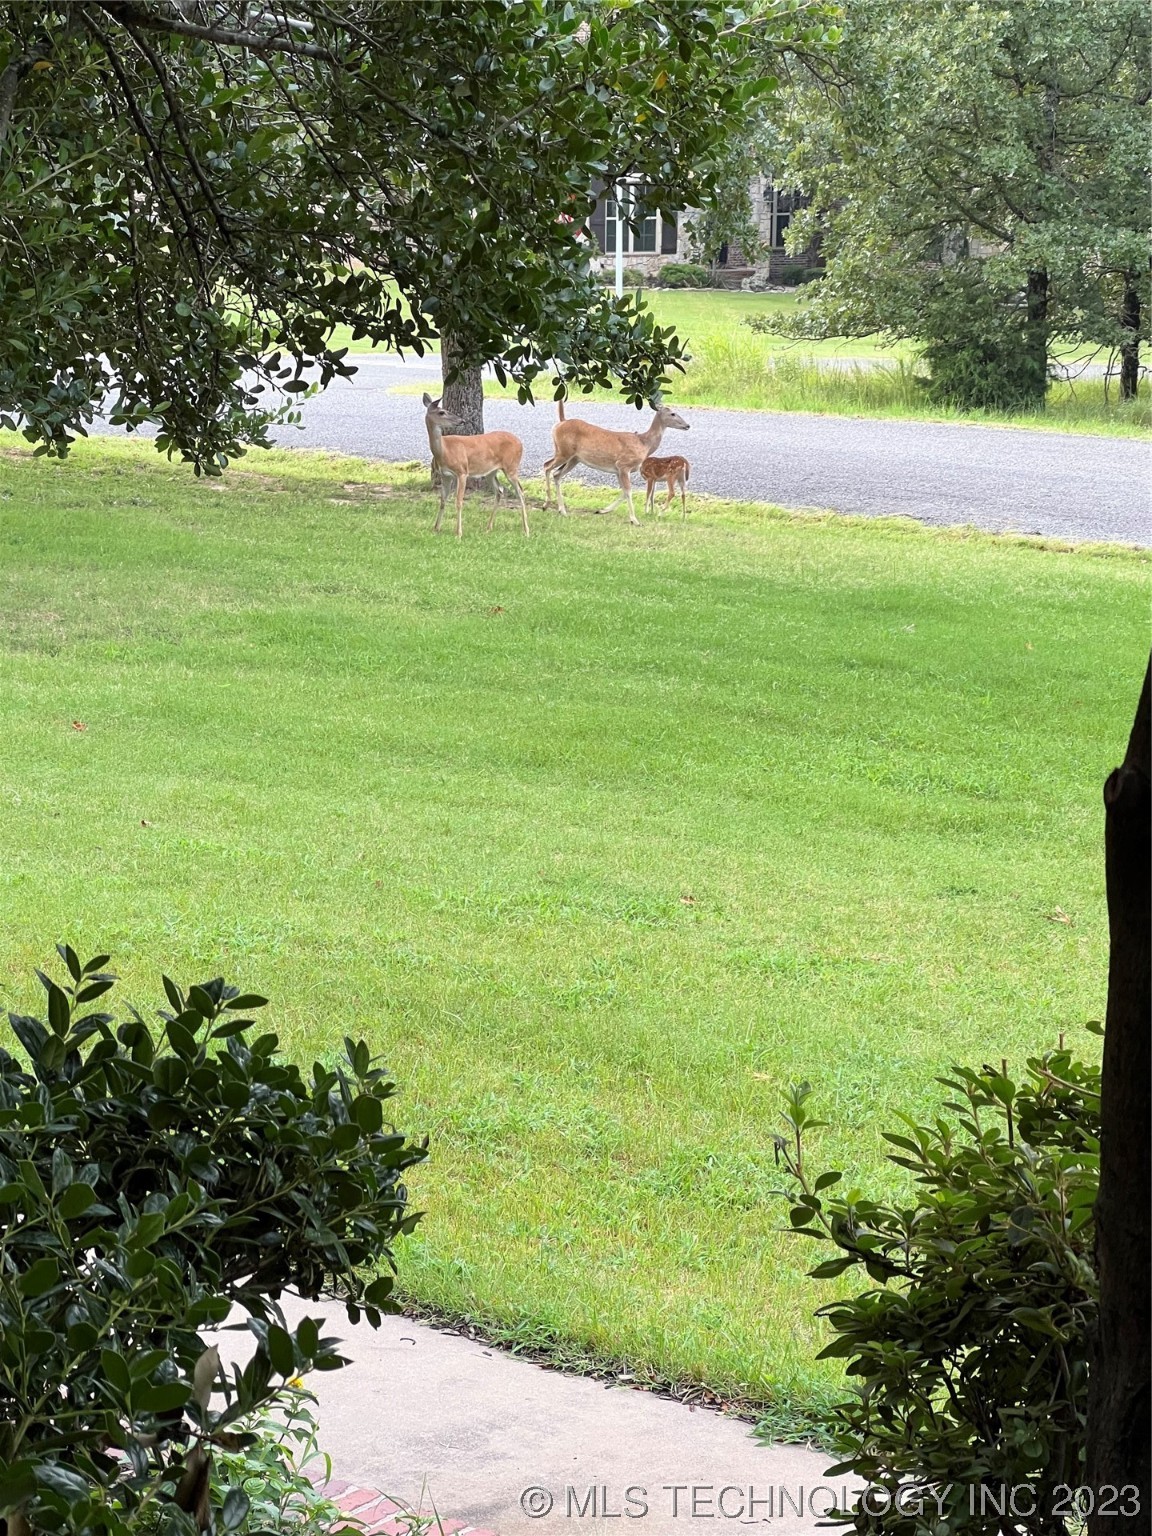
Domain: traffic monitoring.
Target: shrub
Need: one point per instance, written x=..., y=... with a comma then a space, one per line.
x=684, y=274
x=812, y=275
x=272, y=1471
x=791, y=276
x=971, y=1347
x=153, y=1178
x=978, y=347
x=633, y=277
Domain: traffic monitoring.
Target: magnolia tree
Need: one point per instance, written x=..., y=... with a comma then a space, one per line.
x=194, y=193
x=978, y=175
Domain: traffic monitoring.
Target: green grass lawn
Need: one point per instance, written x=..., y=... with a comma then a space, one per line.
x=601, y=837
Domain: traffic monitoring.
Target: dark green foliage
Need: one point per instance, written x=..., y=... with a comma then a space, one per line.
x=684, y=274
x=982, y=350
x=188, y=206
x=970, y=1348
x=153, y=1178
x=1014, y=136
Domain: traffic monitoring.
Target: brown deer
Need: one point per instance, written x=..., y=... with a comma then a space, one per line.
x=579, y=442
x=673, y=471
x=460, y=457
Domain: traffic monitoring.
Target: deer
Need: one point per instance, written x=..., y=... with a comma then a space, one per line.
x=579, y=442
x=673, y=471
x=484, y=454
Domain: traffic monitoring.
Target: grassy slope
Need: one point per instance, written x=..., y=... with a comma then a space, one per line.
x=601, y=837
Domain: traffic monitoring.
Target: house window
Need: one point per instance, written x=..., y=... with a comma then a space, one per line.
x=643, y=230
x=610, y=227
x=784, y=205
x=640, y=228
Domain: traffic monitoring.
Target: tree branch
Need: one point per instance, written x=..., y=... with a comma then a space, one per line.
x=10, y=84
x=126, y=12
x=156, y=163
x=177, y=119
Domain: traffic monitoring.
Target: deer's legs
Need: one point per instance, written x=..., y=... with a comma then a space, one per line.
x=548, y=467
x=625, y=478
x=461, y=487
x=558, y=471
x=514, y=482
x=523, y=506
x=440, y=514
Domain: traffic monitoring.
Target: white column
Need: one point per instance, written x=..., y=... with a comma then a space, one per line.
x=620, y=227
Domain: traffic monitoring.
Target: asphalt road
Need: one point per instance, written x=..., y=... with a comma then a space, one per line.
x=997, y=478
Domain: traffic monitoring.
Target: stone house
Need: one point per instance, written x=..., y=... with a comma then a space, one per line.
x=653, y=239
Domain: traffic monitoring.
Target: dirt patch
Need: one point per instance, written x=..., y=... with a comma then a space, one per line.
x=366, y=488
x=242, y=480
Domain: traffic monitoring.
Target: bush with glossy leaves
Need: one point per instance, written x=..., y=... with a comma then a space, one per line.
x=155, y=1178
x=970, y=1349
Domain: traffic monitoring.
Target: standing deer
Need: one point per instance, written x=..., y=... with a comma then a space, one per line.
x=673, y=471
x=579, y=442
x=460, y=457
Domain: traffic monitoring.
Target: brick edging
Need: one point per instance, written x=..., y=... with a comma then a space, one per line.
x=375, y=1514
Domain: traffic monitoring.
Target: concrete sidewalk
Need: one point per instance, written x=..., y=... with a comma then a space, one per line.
x=492, y=1441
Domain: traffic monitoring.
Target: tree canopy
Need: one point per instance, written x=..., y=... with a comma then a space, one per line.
x=987, y=161
x=194, y=192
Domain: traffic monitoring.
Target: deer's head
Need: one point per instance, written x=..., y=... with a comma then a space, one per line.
x=436, y=416
x=668, y=418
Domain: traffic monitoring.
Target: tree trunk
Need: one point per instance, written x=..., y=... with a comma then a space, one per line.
x=464, y=398
x=1036, y=333
x=1120, y=1388
x=1130, y=350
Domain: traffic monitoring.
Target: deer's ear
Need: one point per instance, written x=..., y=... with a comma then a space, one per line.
x=427, y=399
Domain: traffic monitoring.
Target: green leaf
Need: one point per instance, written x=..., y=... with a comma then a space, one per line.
x=40, y=1278
x=235, y=1094
x=368, y=1113
x=160, y=1397
x=1036, y=1319
x=75, y=1200
x=181, y=1038
x=59, y=1479
x=68, y=955
x=116, y=1372
x=202, y=1001
x=379, y=1291
x=281, y=1351
x=63, y=1173
x=93, y=990
x=235, y=1510
x=17, y=1484
x=58, y=1009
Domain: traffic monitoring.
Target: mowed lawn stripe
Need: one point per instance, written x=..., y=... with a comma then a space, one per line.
x=600, y=837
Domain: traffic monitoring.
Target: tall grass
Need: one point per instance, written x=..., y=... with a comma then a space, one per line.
x=735, y=369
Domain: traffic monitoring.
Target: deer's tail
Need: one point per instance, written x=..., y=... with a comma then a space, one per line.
x=687, y=473
x=560, y=410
